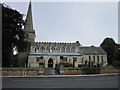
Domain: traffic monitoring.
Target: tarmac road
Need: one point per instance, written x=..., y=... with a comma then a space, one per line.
x=110, y=81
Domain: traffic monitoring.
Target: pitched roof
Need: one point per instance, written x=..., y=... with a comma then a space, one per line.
x=92, y=50
x=66, y=54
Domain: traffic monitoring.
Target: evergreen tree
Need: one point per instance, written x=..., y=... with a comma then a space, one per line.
x=12, y=35
x=113, y=51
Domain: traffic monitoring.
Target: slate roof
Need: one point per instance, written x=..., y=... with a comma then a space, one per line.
x=92, y=50
x=67, y=54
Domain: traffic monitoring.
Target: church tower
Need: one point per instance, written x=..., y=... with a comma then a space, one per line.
x=28, y=28
x=22, y=57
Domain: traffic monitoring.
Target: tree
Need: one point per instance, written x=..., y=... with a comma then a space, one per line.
x=12, y=35
x=109, y=46
x=113, y=51
x=117, y=52
x=116, y=62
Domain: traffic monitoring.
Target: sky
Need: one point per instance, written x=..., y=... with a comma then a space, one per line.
x=87, y=22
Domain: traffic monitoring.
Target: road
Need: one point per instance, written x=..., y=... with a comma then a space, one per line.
x=62, y=82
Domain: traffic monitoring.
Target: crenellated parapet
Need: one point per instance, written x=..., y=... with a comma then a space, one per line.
x=58, y=43
x=55, y=44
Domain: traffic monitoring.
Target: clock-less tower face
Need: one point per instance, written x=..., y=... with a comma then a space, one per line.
x=28, y=29
x=29, y=36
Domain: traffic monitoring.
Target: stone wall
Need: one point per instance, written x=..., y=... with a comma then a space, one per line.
x=12, y=73
x=95, y=59
x=33, y=72
x=32, y=62
x=110, y=70
x=62, y=72
x=72, y=72
x=21, y=72
x=81, y=72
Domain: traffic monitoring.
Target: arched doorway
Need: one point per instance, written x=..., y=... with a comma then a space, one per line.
x=50, y=62
x=98, y=65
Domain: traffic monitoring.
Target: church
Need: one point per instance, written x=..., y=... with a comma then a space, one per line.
x=60, y=55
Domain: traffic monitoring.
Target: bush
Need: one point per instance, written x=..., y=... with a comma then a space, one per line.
x=68, y=64
x=91, y=70
x=116, y=63
x=108, y=66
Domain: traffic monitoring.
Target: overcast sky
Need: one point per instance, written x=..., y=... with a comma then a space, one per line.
x=87, y=22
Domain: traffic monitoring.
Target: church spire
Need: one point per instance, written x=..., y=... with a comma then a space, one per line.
x=28, y=29
x=29, y=22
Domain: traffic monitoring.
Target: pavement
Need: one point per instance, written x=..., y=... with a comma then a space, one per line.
x=53, y=76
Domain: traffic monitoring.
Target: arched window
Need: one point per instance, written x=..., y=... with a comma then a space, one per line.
x=58, y=49
x=72, y=50
x=43, y=49
x=31, y=49
x=97, y=58
x=48, y=49
x=68, y=49
x=102, y=58
x=63, y=49
x=93, y=58
x=85, y=62
x=89, y=58
x=53, y=49
x=37, y=49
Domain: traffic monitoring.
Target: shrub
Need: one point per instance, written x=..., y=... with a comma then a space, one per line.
x=68, y=64
x=116, y=63
x=91, y=70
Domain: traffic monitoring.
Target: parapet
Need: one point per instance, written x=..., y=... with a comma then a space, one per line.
x=58, y=43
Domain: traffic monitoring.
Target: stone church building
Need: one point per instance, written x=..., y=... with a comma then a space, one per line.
x=54, y=55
